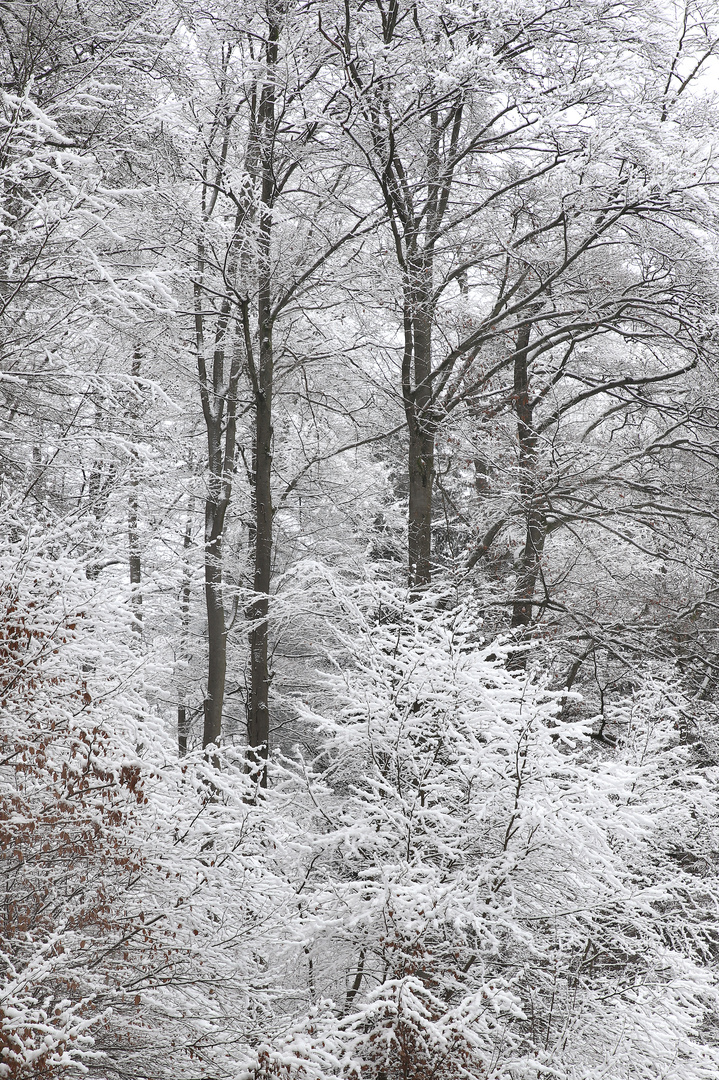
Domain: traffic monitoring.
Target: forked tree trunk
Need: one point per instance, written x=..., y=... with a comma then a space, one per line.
x=219, y=401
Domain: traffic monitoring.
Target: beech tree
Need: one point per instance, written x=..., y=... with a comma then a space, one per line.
x=506, y=196
x=296, y=296
x=479, y=878
x=257, y=172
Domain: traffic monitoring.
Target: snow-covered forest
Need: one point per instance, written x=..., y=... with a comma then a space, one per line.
x=359, y=573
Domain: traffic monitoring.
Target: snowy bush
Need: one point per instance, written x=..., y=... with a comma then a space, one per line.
x=476, y=900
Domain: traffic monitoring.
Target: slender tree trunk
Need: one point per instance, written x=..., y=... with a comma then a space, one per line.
x=214, y=605
x=218, y=391
x=133, y=538
x=221, y=458
x=258, y=720
x=258, y=712
x=99, y=485
x=216, y=633
x=421, y=423
x=182, y=722
x=182, y=728
x=530, y=566
x=422, y=419
x=530, y=561
x=133, y=534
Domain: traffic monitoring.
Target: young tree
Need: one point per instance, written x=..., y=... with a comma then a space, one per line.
x=477, y=872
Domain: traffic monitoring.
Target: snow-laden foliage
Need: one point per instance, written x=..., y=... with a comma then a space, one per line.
x=435, y=285
x=461, y=887
x=71, y=788
x=475, y=903
x=146, y=905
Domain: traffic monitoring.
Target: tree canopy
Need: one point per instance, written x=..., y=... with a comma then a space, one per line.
x=359, y=672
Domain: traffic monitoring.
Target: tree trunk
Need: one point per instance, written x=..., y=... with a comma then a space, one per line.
x=258, y=718
x=258, y=712
x=133, y=539
x=182, y=722
x=216, y=632
x=421, y=482
x=530, y=566
x=216, y=503
x=532, y=500
x=215, y=506
x=218, y=391
x=420, y=421
x=133, y=535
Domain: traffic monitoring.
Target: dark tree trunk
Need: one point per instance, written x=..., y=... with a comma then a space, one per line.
x=531, y=497
x=262, y=376
x=258, y=718
x=216, y=632
x=530, y=566
x=421, y=482
x=182, y=727
x=416, y=225
x=420, y=420
x=218, y=393
x=219, y=401
x=215, y=506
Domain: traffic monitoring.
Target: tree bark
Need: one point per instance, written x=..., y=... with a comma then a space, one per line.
x=182, y=722
x=216, y=631
x=219, y=402
x=133, y=535
x=421, y=484
x=532, y=500
x=133, y=538
x=258, y=718
x=420, y=419
x=262, y=376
